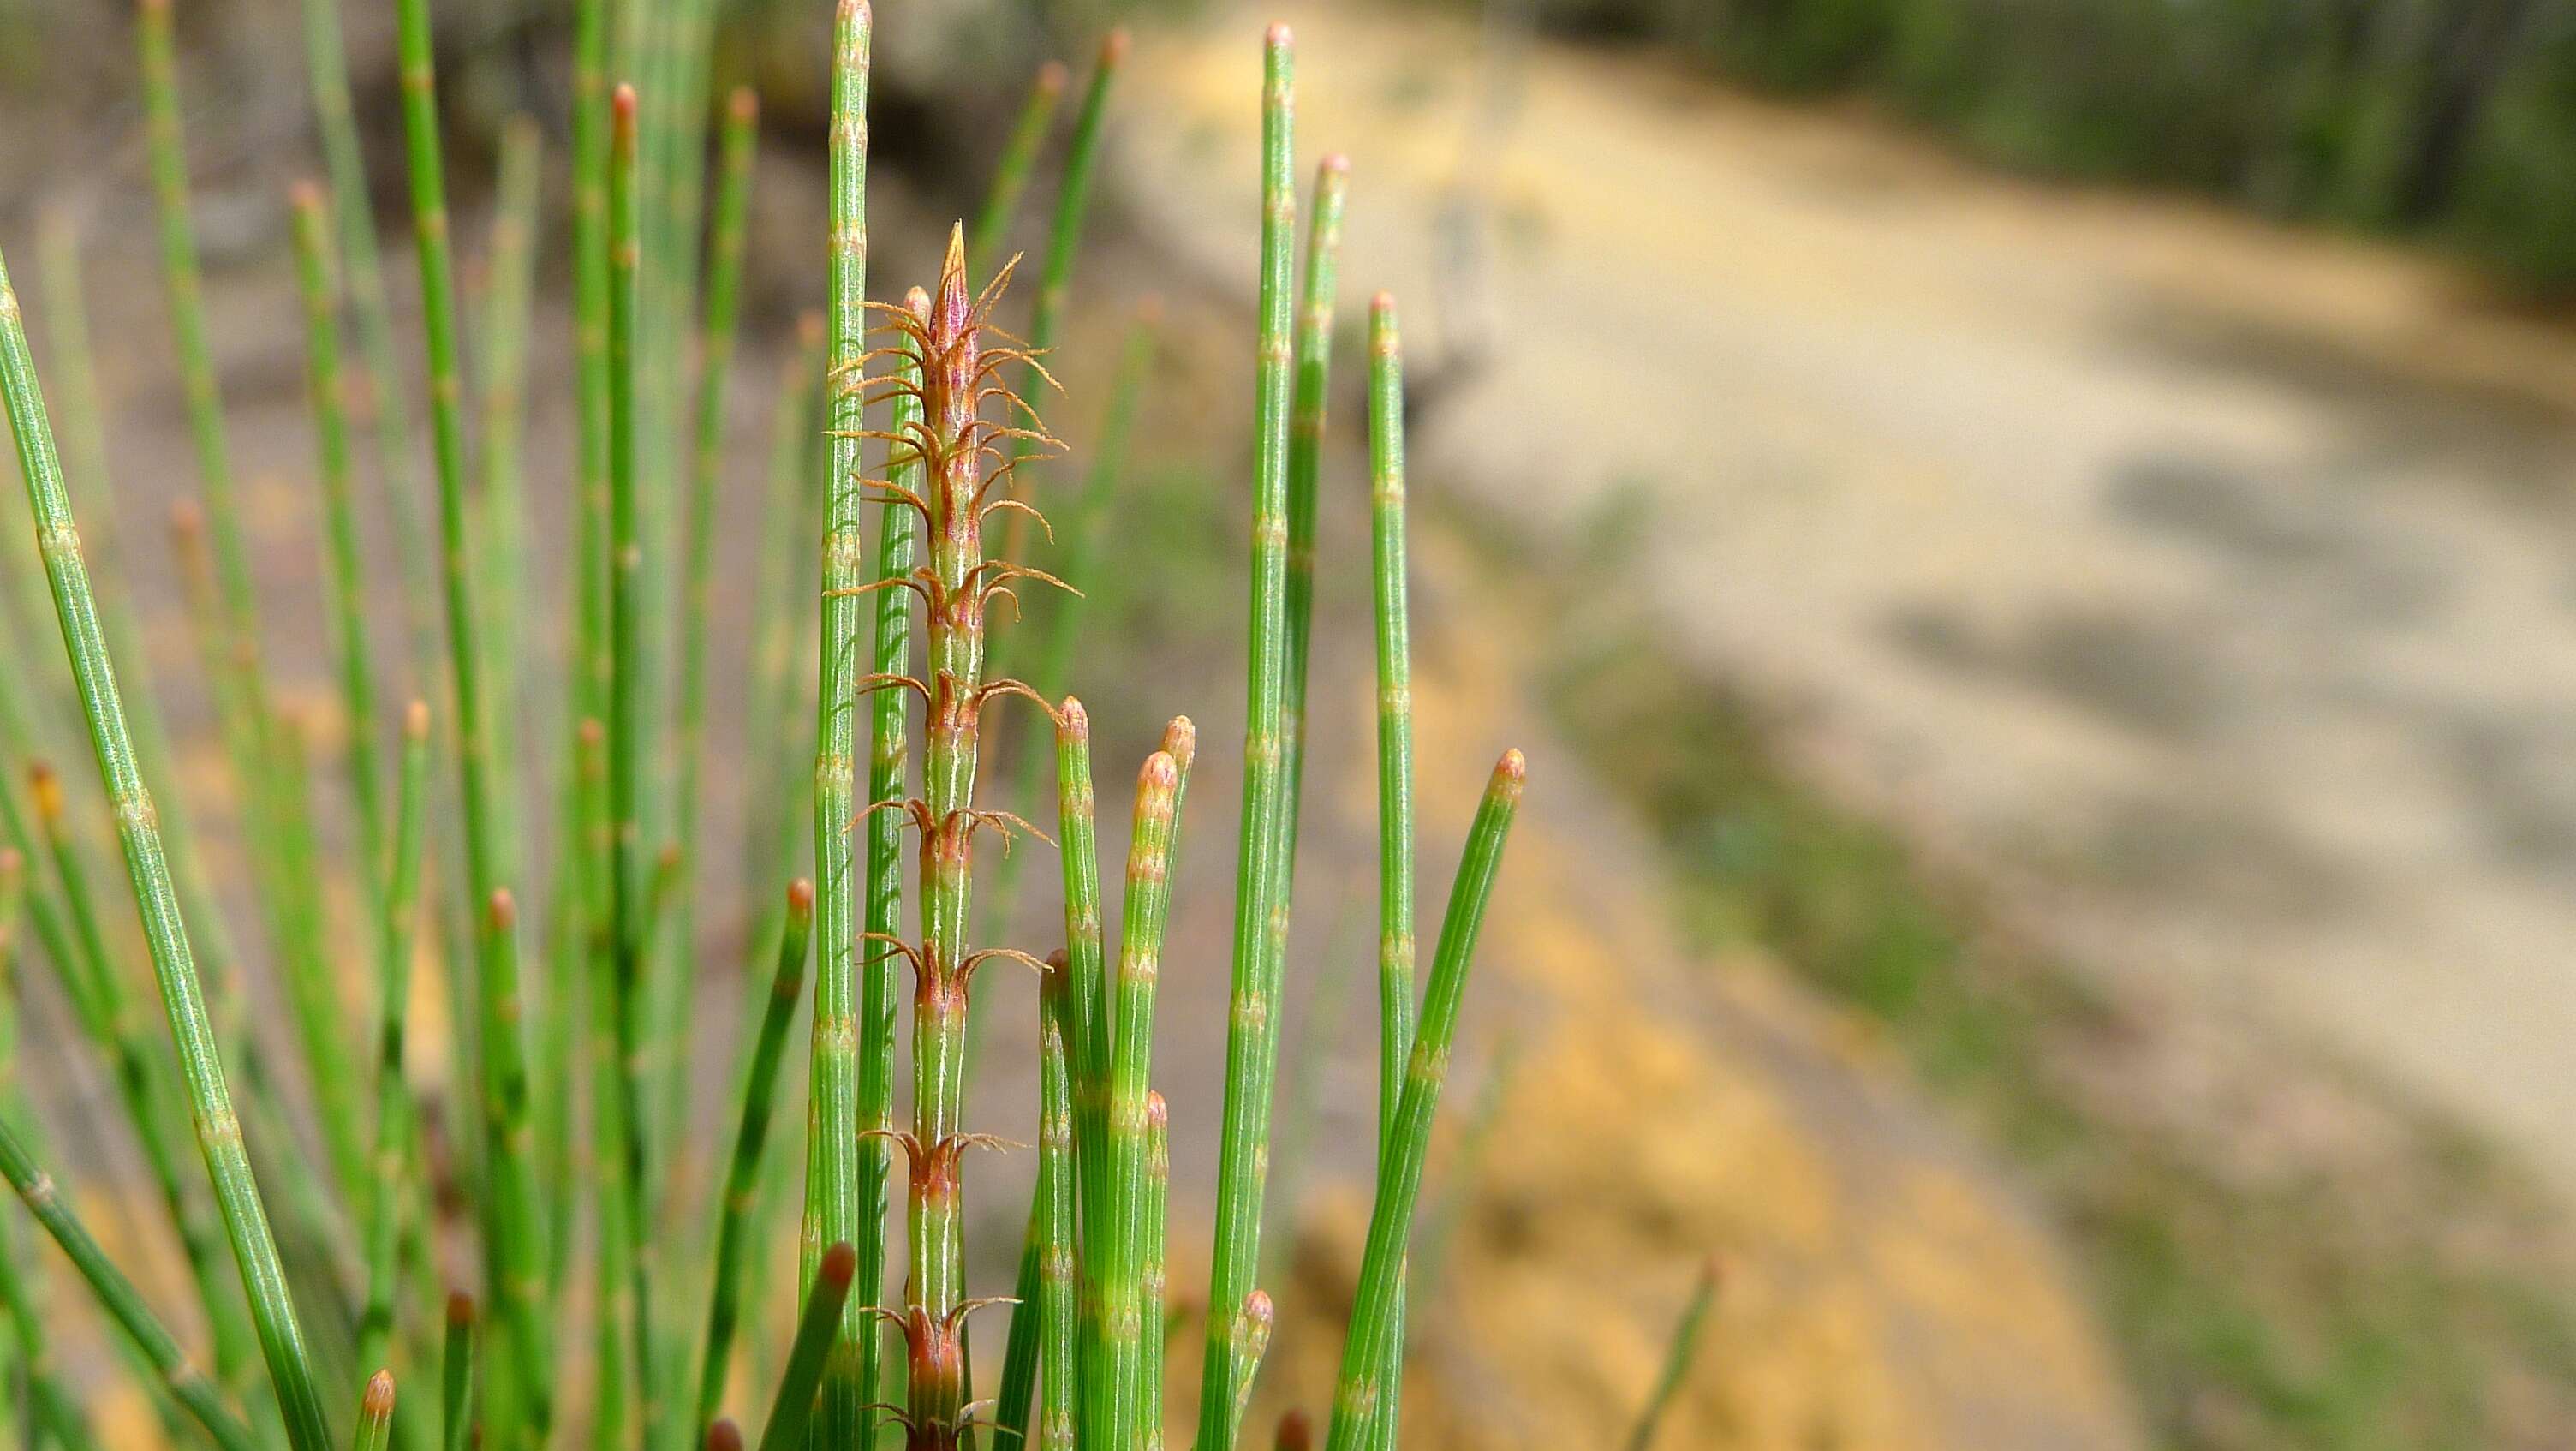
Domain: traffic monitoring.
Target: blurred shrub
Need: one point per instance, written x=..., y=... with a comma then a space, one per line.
x=2455, y=118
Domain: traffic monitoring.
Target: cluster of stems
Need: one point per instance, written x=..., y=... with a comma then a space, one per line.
x=575, y=1041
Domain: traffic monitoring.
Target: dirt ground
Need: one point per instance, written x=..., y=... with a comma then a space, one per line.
x=2204, y=586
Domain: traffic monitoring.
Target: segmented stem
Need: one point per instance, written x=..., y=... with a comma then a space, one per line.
x=513, y=1256
x=742, y=1180
x=376, y=391
x=1116, y=1407
x=397, y=924
x=817, y=1329
x=833, y=1208
x=376, y=1412
x=715, y=354
x=327, y=391
x=510, y=281
x=1376, y=1323
x=117, y=1295
x=1260, y=915
x=1158, y=1193
x=1394, y=770
x=629, y=890
x=1054, y=1311
x=218, y=1131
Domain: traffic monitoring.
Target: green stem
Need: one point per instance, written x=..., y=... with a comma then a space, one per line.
x=1011, y=174
x=1064, y=243
x=833, y=1208
x=1158, y=1191
x=1260, y=917
x=117, y=1295
x=218, y=1131
x=513, y=1257
x=456, y=1376
x=376, y=1412
x=785, y=545
x=1116, y=1408
x=715, y=353
x=1376, y=1319
x=1678, y=1354
x=510, y=273
x=378, y=387
x=395, y=932
x=327, y=390
x=1393, y=613
x=742, y=1181
x=630, y=892
x=817, y=1330
x=1055, y=1311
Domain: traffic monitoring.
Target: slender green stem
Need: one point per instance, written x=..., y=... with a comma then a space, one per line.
x=630, y=892
x=1087, y=987
x=377, y=395
x=189, y=330
x=1064, y=243
x=617, y=1232
x=772, y=720
x=715, y=353
x=456, y=1376
x=513, y=1257
x=97, y=994
x=396, y=928
x=1678, y=1355
x=86, y=471
x=510, y=283
x=1158, y=1193
x=327, y=390
x=1376, y=1319
x=833, y=1207
x=1115, y=1407
x=218, y=1131
x=1077, y=536
x=742, y=1181
x=1011, y=174
x=376, y=1413
x=1394, y=620
x=817, y=1329
x=889, y=748
x=117, y=1295
x=1260, y=917
x=1054, y=1311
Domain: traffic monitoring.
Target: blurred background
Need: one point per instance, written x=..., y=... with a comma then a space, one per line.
x=2027, y=542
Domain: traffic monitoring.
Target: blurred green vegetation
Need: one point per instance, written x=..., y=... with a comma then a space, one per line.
x=2450, y=119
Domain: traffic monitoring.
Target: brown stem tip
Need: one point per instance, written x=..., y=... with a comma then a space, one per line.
x=724, y=1435
x=460, y=1308
x=840, y=1262
x=378, y=1402
x=1072, y=720
x=800, y=897
x=1181, y=741
x=48, y=789
x=504, y=911
x=1158, y=1114
x=621, y=104
x=744, y=105
x=416, y=720
x=1278, y=36
x=305, y=195
x=1337, y=164
x=1113, y=46
x=1511, y=773
x=1052, y=78
x=1296, y=1432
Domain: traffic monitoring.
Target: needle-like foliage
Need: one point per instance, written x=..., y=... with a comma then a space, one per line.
x=911, y=498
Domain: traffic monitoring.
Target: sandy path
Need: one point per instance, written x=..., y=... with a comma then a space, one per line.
x=2209, y=588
